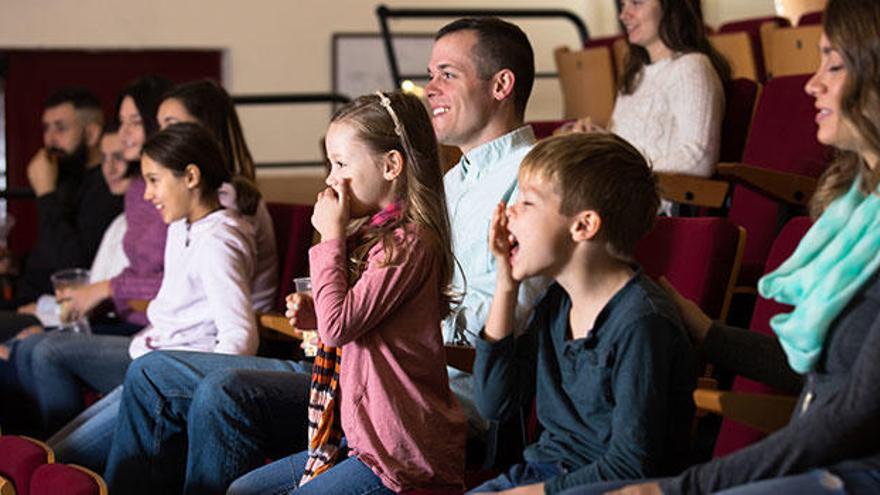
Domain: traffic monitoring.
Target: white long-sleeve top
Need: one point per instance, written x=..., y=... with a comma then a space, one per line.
x=204, y=303
x=674, y=115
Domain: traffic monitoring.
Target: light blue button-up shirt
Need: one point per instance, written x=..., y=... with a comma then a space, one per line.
x=483, y=177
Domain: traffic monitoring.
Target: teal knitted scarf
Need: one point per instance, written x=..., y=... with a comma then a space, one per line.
x=832, y=262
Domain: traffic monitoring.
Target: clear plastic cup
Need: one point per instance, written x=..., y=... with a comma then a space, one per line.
x=62, y=281
x=303, y=285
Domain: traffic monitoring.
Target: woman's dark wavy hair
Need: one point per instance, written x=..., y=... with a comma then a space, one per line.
x=853, y=29
x=147, y=93
x=682, y=30
x=211, y=105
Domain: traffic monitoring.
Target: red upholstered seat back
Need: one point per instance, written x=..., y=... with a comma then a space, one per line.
x=19, y=458
x=782, y=137
x=293, y=235
x=62, y=479
x=734, y=436
x=697, y=255
x=811, y=19
x=739, y=103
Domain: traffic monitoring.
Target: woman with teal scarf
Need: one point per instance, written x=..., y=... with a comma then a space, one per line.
x=831, y=340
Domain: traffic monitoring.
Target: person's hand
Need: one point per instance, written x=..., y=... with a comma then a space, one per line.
x=499, y=244
x=42, y=172
x=332, y=211
x=27, y=309
x=583, y=125
x=301, y=311
x=534, y=489
x=640, y=489
x=696, y=322
x=81, y=300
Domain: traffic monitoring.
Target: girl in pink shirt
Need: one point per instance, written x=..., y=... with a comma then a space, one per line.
x=381, y=284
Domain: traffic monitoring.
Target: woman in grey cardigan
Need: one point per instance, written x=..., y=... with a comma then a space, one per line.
x=832, y=337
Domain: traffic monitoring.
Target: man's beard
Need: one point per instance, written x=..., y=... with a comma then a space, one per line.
x=71, y=165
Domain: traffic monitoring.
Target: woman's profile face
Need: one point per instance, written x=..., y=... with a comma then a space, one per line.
x=641, y=19
x=131, y=129
x=172, y=111
x=826, y=86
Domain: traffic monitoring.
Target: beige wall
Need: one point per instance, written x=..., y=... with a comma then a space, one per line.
x=284, y=45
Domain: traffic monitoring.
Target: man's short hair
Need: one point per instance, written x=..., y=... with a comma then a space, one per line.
x=500, y=45
x=84, y=102
x=604, y=173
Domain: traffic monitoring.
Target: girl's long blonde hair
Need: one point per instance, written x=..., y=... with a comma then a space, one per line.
x=853, y=28
x=396, y=121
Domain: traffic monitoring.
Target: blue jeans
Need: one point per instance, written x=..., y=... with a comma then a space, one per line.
x=521, y=474
x=61, y=362
x=193, y=422
x=86, y=439
x=348, y=477
x=831, y=481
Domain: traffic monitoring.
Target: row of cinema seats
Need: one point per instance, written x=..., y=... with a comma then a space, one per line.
x=27, y=467
x=757, y=49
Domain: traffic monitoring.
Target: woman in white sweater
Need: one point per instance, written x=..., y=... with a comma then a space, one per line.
x=670, y=100
x=204, y=302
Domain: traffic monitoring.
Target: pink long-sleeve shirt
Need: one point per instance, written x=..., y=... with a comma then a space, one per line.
x=144, y=245
x=398, y=413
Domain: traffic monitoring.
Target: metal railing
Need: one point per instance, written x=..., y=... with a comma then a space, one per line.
x=384, y=13
x=289, y=99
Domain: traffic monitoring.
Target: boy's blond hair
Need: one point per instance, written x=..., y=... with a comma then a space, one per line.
x=600, y=172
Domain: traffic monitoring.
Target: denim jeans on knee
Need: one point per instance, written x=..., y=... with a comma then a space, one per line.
x=348, y=477
x=86, y=439
x=173, y=401
x=62, y=362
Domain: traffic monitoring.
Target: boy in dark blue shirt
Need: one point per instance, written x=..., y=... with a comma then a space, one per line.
x=605, y=354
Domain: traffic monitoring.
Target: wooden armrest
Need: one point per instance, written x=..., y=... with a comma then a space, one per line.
x=782, y=186
x=139, y=305
x=690, y=190
x=278, y=323
x=763, y=412
x=461, y=357
x=6, y=487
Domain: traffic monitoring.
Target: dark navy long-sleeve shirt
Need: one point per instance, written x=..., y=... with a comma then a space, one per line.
x=616, y=404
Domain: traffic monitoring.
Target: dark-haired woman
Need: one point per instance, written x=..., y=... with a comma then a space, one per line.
x=670, y=100
x=206, y=102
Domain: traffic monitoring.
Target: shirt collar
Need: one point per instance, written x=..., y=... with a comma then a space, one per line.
x=487, y=155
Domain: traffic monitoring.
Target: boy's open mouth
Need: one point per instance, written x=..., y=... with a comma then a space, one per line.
x=514, y=245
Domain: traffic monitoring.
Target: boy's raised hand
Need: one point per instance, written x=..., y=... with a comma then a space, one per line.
x=499, y=243
x=332, y=211
x=301, y=311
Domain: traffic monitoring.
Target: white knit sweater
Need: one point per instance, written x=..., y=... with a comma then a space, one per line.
x=674, y=115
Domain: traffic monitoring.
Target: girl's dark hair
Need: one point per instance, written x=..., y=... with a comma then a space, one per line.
x=402, y=124
x=211, y=105
x=147, y=93
x=184, y=144
x=681, y=30
x=853, y=29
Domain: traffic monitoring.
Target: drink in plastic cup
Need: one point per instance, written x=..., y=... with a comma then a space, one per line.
x=63, y=280
x=304, y=285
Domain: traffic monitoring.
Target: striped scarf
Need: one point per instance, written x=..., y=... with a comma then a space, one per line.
x=325, y=426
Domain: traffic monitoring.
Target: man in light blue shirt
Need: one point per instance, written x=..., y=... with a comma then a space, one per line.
x=481, y=74
x=235, y=410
